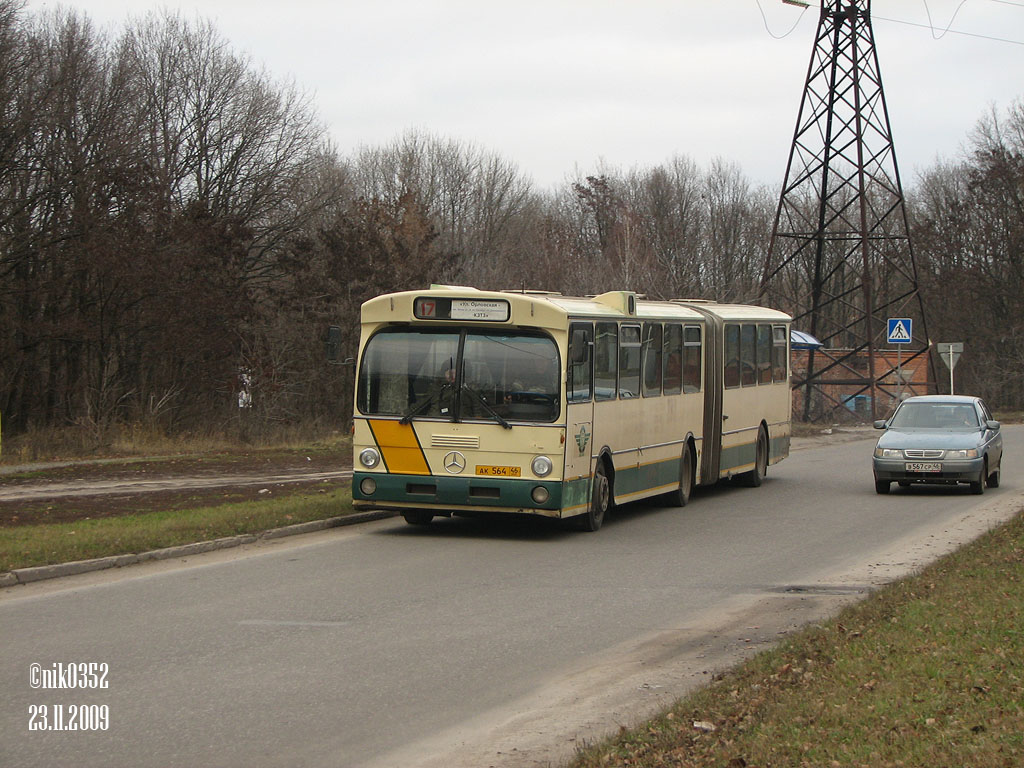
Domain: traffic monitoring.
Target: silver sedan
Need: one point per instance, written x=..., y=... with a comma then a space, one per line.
x=939, y=439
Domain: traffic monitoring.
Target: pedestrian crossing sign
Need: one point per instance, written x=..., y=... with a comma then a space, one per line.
x=900, y=330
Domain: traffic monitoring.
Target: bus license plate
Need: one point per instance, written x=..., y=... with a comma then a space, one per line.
x=918, y=466
x=491, y=470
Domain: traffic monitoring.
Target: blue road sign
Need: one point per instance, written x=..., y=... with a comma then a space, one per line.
x=900, y=330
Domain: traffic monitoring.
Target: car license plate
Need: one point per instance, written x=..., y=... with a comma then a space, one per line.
x=491, y=470
x=921, y=466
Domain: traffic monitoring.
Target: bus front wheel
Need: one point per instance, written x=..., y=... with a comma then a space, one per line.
x=600, y=500
x=418, y=517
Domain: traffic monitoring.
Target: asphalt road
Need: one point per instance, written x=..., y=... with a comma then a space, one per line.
x=468, y=643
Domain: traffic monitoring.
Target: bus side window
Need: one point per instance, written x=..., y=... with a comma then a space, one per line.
x=673, y=359
x=581, y=345
x=606, y=361
x=764, y=354
x=748, y=355
x=780, y=358
x=629, y=361
x=732, y=355
x=691, y=359
x=652, y=359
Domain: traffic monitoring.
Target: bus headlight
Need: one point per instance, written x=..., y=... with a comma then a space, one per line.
x=540, y=494
x=369, y=458
x=368, y=486
x=542, y=466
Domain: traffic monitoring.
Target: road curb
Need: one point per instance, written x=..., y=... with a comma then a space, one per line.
x=41, y=572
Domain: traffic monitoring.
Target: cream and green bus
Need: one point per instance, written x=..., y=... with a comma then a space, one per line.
x=471, y=402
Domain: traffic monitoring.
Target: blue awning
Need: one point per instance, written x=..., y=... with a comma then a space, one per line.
x=801, y=340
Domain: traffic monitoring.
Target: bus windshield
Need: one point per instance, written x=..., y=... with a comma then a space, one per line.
x=498, y=376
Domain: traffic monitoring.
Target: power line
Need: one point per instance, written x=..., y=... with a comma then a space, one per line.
x=950, y=31
x=931, y=23
x=930, y=26
x=772, y=34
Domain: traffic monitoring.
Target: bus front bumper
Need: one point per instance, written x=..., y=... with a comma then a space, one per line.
x=376, y=490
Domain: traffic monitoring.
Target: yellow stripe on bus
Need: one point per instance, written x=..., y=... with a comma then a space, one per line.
x=400, y=448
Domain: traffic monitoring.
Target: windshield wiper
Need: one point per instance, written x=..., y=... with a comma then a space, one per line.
x=487, y=406
x=423, y=404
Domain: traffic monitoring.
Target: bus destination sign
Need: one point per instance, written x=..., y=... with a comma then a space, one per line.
x=477, y=310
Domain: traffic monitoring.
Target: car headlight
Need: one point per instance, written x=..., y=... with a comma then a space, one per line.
x=369, y=458
x=542, y=466
x=888, y=453
x=963, y=453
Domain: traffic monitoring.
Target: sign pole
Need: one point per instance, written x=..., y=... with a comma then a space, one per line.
x=953, y=349
x=900, y=331
x=899, y=372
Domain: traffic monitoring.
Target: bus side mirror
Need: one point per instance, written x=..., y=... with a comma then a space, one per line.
x=332, y=346
x=579, y=346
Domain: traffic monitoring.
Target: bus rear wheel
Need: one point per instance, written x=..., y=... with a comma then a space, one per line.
x=600, y=500
x=681, y=495
x=755, y=477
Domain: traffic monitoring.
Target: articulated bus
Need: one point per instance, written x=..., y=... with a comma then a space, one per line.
x=471, y=402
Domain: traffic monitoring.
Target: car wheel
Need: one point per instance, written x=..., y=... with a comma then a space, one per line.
x=881, y=486
x=993, y=479
x=600, y=501
x=978, y=486
x=418, y=518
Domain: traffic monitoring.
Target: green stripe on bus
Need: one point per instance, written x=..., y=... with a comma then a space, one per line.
x=658, y=474
x=737, y=456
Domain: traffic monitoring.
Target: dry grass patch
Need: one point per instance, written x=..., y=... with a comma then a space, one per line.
x=30, y=545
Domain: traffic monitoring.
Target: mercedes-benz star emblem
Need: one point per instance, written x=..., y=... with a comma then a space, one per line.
x=454, y=462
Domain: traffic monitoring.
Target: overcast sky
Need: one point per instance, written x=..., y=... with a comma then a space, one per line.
x=558, y=86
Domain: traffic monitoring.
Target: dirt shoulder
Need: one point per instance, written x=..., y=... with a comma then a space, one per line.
x=77, y=490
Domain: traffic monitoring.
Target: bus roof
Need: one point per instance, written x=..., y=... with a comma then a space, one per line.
x=554, y=310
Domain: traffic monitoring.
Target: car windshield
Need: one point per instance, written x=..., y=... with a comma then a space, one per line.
x=935, y=416
x=419, y=373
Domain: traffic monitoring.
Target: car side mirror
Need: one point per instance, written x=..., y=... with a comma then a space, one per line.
x=993, y=425
x=880, y=424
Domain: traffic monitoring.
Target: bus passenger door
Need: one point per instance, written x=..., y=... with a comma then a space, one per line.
x=579, y=418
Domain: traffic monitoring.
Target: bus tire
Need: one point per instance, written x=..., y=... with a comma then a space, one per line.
x=418, y=517
x=600, y=500
x=681, y=495
x=755, y=477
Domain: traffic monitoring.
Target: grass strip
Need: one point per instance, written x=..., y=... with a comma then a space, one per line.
x=929, y=671
x=30, y=545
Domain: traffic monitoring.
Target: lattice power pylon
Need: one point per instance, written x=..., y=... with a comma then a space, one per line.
x=840, y=258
